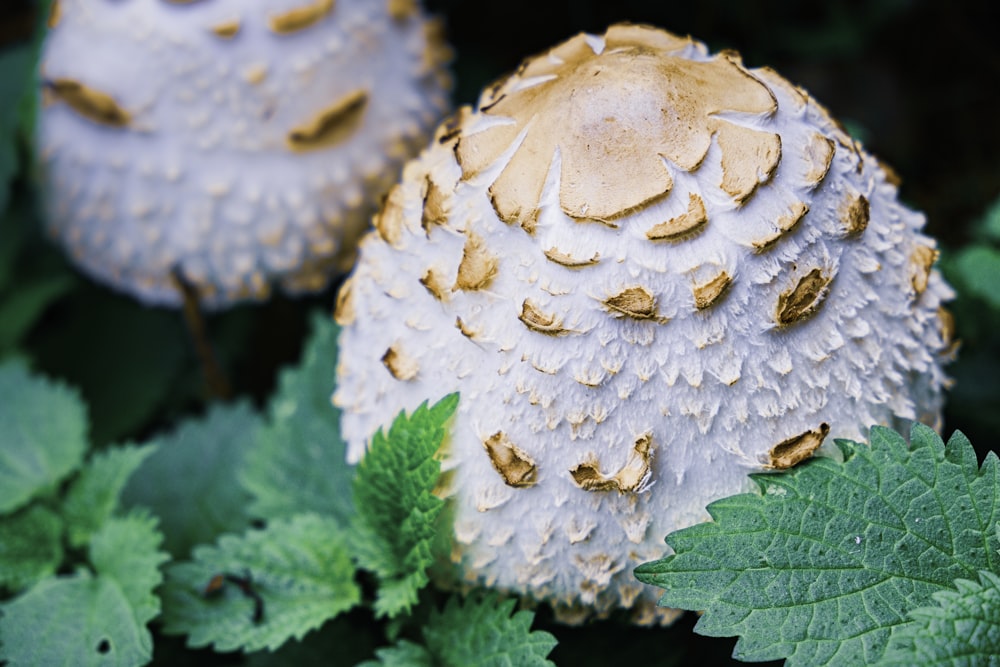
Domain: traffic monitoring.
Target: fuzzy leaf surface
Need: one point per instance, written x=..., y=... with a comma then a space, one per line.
x=298, y=462
x=395, y=526
x=190, y=480
x=299, y=567
x=43, y=434
x=93, y=495
x=962, y=630
x=30, y=546
x=825, y=564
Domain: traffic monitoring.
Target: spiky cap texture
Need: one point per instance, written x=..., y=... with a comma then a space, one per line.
x=232, y=143
x=648, y=271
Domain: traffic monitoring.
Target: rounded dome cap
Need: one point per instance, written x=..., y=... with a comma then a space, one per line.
x=234, y=144
x=649, y=271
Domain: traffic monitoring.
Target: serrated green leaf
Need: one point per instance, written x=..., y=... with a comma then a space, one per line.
x=299, y=567
x=43, y=430
x=80, y=620
x=190, y=482
x=298, y=463
x=93, y=496
x=403, y=654
x=394, y=529
x=824, y=567
x=127, y=550
x=963, y=630
x=30, y=546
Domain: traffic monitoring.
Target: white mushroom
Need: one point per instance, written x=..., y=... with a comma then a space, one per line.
x=238, y=143
x=649, y=271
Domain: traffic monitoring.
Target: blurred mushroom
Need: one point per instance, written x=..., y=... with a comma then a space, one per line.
x=649, y=271
x=230, y=144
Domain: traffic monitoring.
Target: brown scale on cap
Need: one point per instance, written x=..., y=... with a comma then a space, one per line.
x=537, y=320
x=400, y=10
x=399, y=364
x=553, y=255
x=708, y=293
x=922, y=260
x=634, y=302
x=90, y=103
x=794, y=450
x=785, y=224
x=478, y=266
x=633, y=475
x=331, y=125
x=636, y=93
x=855, y=214
x=435, y=283
x=55, y=13
x=299, y=18
x=516, y=467
x=389, y=220
x=804, y=299
x=227, y=29
x=343, y=312
x=683, y=226
x=435, y=210
x=819, y=153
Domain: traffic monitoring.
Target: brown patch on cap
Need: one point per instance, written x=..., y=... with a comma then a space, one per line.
x=707, y=294
x=749, y=158
x=785, y=224
x=227, y=29
x=793, y=451
x=539, y=321
x=819, y=155
x=401, y=366
x=400, y=10
x=90, y=103
x=55, y=14
x=892, y=176
x=683, y=226
x=553, y=255
x=451, y=127
x=389, y=220
x=331, y=125
x=947, y=321
x=632, y=477
x=516, y=467
x=299, y=18
x=343, y=312
x=614, y=118
x=478, y=266
x=436, y=205
x=471, y=334
x=921, y=261
x=804, y=299
x=255, y=74
x=435, y=284
x=855, y=213
x=634, y=302
x=436, y=50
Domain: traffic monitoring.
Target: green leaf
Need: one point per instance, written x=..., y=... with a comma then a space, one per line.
x=299, y=568
x=43, y=431
x=979, y=268
x=963, y=629
x=190, y=481
x=93, y=496
x=16, y=67
x=298, y=463
x=824, y=567
x=30, y=546
x=479, y=633
x=393, y=491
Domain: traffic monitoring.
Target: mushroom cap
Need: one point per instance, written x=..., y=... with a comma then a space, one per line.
x=234, y=144
x=649, y=271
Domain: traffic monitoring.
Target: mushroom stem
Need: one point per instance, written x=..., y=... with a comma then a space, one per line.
x=215, y=378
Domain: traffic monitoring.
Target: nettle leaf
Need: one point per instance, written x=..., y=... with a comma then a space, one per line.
x=91, y=620
x=260, y=589
x=826, y=564
x=43, y=434
x=963, y=629
x=190, y=480
x=393, y=490
x=479, y=633
x=30, y=546
x=93, y=495
x=298, y=463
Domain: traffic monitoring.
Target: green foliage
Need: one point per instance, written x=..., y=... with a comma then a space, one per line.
x=43, y=429
x=93, y=496
x=190, y=482
x=299, y=567
x=963, y=629
x=298, y=462
x=979, y=267
x=30, y=546
x=479, y=633
x=393, y=490
x=825, y=565
x=16, y=67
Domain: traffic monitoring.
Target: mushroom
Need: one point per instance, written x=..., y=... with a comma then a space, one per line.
x=649, y=271
x=229, y=144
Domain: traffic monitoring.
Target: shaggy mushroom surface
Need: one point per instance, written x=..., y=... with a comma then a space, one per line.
x=649, y=271
x=229, y=144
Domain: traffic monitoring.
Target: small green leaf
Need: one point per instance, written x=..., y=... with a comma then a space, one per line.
x=963, y=629
x=30, y=546
x=298, y=463
x=403, y=654
x=93, y=496
x=299, y=569
x=43, y=431
x=395, y=526
x=190, y=481
x=825, y=566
